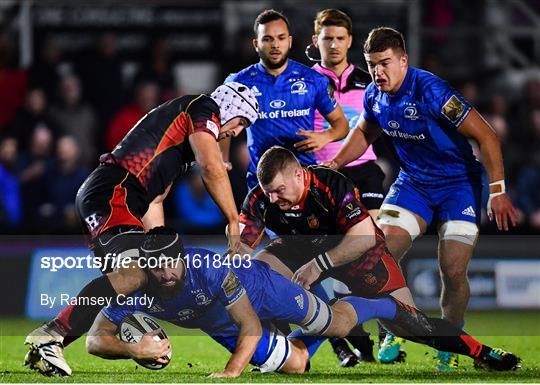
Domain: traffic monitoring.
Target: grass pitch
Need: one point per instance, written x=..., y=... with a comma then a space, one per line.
x=196, y=356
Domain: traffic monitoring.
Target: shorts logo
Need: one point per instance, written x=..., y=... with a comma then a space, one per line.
x=469, y=211
x=393, y=124
x=299, y=87
x=92, y=221
x=277, y=103
x=300, y=301
x=411, y=113
x=453, y=109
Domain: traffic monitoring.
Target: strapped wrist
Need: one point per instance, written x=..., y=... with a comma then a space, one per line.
x=500, y=188
x=323, y=262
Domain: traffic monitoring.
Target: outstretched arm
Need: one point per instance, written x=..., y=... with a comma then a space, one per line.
x=315, y=140
x=102, y=342
x=357, y=142
x=250, y=333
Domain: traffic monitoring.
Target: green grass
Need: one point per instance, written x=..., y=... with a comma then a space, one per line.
x=194, y=357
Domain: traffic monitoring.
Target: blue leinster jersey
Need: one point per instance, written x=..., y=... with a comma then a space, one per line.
x=422, y=120
x=210, y=288
x=287, y=104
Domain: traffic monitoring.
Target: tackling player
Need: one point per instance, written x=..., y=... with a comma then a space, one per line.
x=124, y=196
x=236, y=305
x=325, y=231
x=440, y=179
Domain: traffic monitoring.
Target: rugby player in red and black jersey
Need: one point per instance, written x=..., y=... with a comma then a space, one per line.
x=124, y=196
x=325, y=231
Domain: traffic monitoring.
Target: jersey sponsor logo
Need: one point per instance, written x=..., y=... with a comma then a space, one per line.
x=404, y=135
x=293, y=215
x=300, y=301
x=284, y=114
x=277, y=103
x=299, y=87
x=393, y=124
x=453, y=109
x=212, y=127
x=411, y=113
x=469, y=211
x=372, y=195
x=185, y=314
x=230, y=284
x=256, y=91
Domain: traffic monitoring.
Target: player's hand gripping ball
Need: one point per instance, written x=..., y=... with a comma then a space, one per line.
x=132, y=330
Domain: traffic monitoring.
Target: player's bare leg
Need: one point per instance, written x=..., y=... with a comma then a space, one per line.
x=454, y=257
x=398, y=241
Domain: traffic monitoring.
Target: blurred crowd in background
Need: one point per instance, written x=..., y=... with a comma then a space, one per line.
x=57, y=116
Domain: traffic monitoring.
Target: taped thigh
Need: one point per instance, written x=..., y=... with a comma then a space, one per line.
x=460, y=231
x=392, y=215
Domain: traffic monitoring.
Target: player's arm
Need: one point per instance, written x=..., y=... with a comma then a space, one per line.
x=315, y=140
x=250, y=333
x=474, y=126
x=102, y=342
x=356, y=143
x=216, y=180
x=356, y=241
x=155, y=215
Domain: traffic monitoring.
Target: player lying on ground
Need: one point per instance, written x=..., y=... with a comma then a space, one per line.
x=325, y=231
x=236, y=305
x=124, y=196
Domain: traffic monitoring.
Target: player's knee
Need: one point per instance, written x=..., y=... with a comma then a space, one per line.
x=454, y=275
x=460, y=231
x=403, y=219
x=298, y=360
x=343, y=320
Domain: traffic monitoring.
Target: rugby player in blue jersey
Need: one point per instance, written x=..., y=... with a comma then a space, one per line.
x=440, y=179
x=235, y=303
x=288, y=94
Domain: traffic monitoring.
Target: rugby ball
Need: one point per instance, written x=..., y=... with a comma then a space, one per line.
x=132, y=329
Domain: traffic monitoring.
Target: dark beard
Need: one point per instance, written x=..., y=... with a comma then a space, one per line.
x=272, y=66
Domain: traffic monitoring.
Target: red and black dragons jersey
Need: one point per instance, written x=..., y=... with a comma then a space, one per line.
x=157, y=150
x=330, y=206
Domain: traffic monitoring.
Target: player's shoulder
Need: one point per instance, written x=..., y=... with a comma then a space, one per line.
x=298, y=69
x=428, y=84
x=255, y=195
x=244, y=75
x=324, y=176
x=198, y=103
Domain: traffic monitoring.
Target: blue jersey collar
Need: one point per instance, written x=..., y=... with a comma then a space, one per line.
x=405, y=86
x=262, y=69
